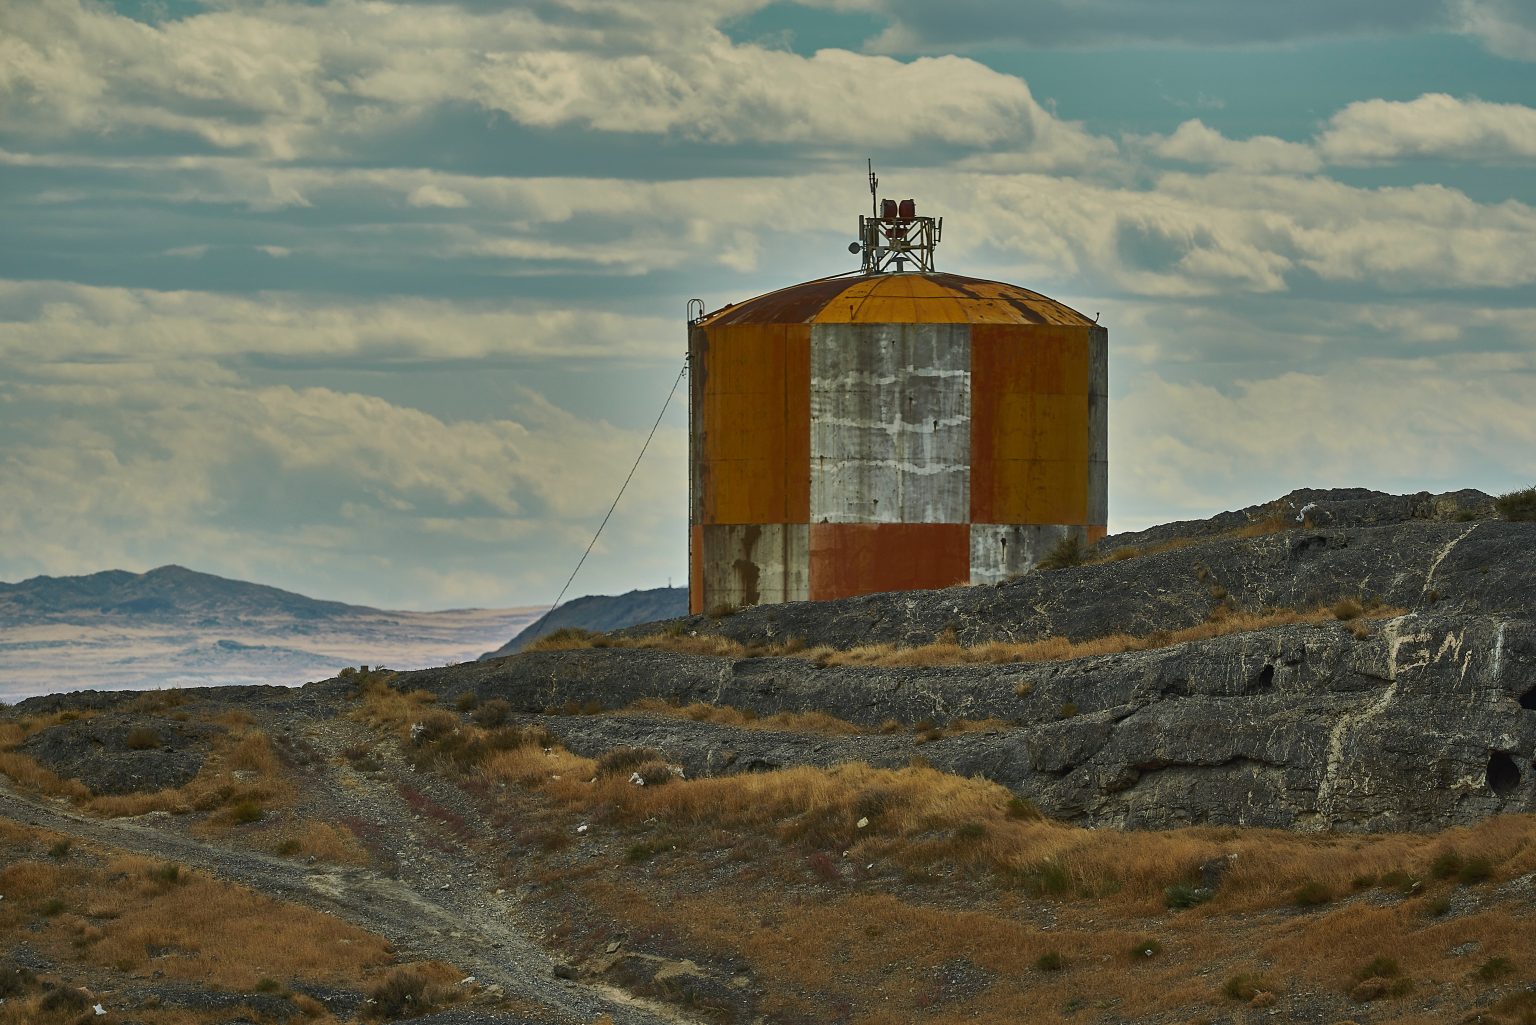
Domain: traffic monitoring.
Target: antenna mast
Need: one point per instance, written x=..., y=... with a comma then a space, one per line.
x=893, y=236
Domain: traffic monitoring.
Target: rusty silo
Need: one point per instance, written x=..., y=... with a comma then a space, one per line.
x=890, y=429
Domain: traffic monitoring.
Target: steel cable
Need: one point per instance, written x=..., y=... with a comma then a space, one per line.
x=529, y=632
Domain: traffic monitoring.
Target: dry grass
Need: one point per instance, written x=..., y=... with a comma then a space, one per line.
x=724, y=715
x=241, y=780
x=383, y=706
x=132, y=914
x=241, y=773
x=921, y=818
x=846, y=938
x=822, y=910
x=319, y=840
x=948, y=651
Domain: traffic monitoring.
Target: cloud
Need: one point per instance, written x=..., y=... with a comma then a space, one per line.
x=1226, y=233
x=920, y=27
x=1433, y=125
x=135, y=469
x=432, y=195
x=1193, y=142
x=1506, y=27
x=288, y=81
x=1186, y=448
x=61, y=322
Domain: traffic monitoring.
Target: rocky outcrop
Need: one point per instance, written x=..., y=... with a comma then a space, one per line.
x=1428, y=719
x=1370, y=548
x=601, y=612
x=122, y=753
x=1428, y=722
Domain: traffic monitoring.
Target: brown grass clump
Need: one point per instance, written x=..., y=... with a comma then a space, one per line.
x=141, y=738
x=948, y=651
x=412, y=990
x=725, y=715
x=323, y=842
x=242, y=771
x=132, y=914
x=567, y=637
x=240, y=782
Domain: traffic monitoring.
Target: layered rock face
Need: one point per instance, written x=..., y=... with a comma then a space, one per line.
x=1427, y=720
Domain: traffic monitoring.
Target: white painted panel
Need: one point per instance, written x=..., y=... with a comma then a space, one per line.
x=755, y=564
x=1001, y=551
x=890, y=423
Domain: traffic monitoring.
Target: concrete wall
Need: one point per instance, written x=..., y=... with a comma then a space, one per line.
x=837, y=458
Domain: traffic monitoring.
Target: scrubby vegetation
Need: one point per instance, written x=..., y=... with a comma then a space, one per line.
x=1517, y=505
x=841, y=859
x=947, y=650
x=240, y=782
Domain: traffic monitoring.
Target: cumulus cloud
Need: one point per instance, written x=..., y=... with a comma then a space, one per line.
x=292, y=80
x=1226, y=232
x=1398, y=425
x=918, y=26
x=1507, y=27
x=136, y=469
x=1433, y=125
x=83, y=323
x=1193, y=142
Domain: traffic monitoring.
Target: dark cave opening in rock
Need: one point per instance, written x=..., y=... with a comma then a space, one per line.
x=1528, y=699
x=1503, y=773
x=1264, y=679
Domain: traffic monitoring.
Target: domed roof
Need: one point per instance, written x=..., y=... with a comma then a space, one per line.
x=899, y=299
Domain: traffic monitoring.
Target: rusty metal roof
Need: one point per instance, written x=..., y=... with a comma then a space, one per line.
x=899, y=299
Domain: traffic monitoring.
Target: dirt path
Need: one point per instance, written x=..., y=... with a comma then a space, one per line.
x=471, y=930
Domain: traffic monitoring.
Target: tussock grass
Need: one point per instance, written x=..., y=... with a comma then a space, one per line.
x=948, y=651
x=827, y=897
x=412, y=990
x=241, y=779
x=725, y=715
x=921, y=818
x=322, y=841
x=134, y=914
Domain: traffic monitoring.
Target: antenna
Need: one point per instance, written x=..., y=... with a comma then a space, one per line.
x=893, y=235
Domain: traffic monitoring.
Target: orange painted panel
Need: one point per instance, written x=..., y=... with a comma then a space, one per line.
x=754, y=414
x=864, y=558
x=1029, y=424
x=1096, y=534
x=883, y=299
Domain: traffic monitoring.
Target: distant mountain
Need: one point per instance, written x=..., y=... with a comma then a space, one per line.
x=170, y=592
x=603, y=612
x=175, y=627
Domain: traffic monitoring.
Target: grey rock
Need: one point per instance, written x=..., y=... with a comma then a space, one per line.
x=1376, y=551
x=96, y=751
x=601, y=612
x=1419, y=726
x=1427, y=720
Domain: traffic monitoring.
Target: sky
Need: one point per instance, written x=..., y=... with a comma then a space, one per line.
x=377, y=301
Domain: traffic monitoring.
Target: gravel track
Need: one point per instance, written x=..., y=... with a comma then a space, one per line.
x=460, y=922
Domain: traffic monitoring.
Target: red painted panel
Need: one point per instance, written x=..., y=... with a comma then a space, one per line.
x=865, y=558
x=696, y=570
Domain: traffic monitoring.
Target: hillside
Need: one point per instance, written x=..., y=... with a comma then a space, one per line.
x=602, y=612
x=1278, y=766
x=176, y=627
x=170, y=593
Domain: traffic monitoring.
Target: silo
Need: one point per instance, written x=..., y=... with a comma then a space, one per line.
x=890, y=430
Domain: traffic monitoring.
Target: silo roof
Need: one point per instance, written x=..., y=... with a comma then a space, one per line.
x=899, y=299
